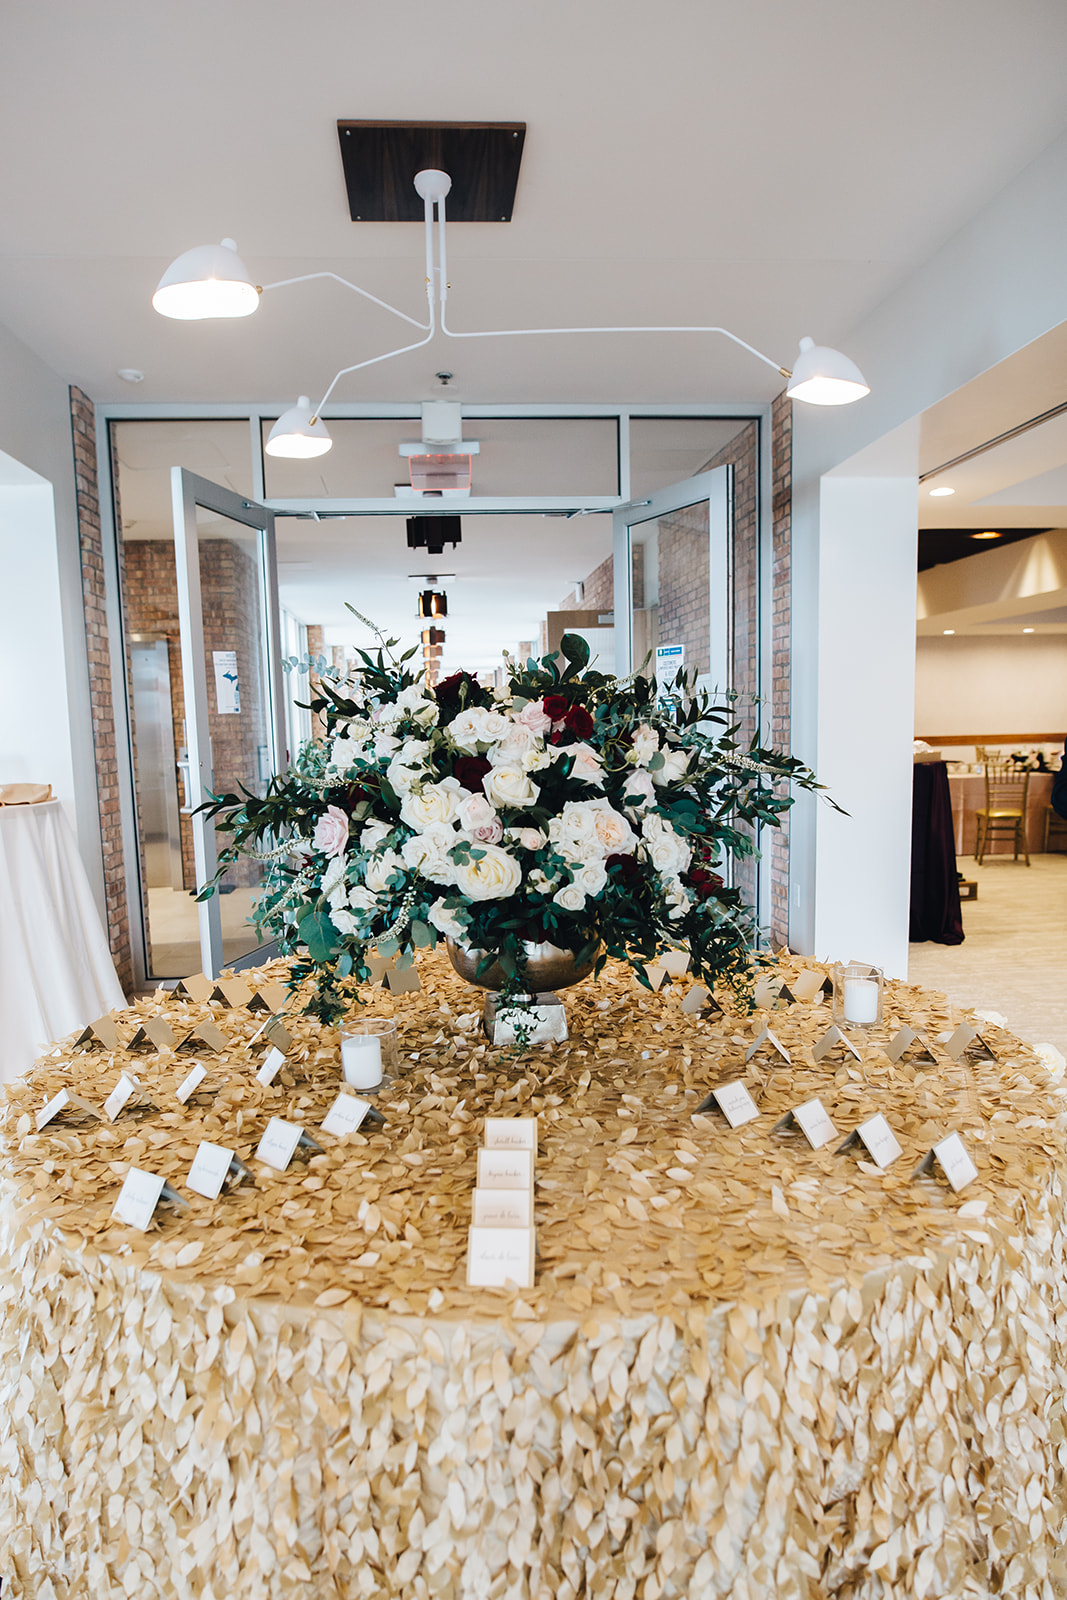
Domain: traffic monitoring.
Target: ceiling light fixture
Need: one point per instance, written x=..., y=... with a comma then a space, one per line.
x=1028, y=630
x=947, y=631
x=433, y=603
x=297, y=434
x=208, y=281
x=990, y=533
x=936, y=493
x=212, y=281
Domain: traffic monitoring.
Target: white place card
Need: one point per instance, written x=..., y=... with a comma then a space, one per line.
x=154, y=1031
x=877, y=1138
x=767, y=990
x=191, y=1083
x=279, y=1142
x=272, y=997
x=205, y=1033
x=807, y=984
x=906, y=1040
x=212, y=1165
x=139, y=1196
x=968, y=1041
x=347, y=1114
x=768, y=1038
x=697, y=999
x=232, y=992
x=674, y=962
x=831, y=1038
x=120, y=1095
x=656, y=974
x=198, y=987
x=497, y=1257
x=505, y=1169
x=734, y=1101
x=813, y=1121
x=502, y=1208
x=101, y=1032
x=269, y=1070
x=510, y=1133
x=403, y=980
x=951, y=1156
x=65, y=1100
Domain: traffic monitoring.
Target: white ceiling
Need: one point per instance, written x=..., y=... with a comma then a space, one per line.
x=778, y=167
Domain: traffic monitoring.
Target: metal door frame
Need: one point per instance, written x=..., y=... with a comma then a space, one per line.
x=187, y=493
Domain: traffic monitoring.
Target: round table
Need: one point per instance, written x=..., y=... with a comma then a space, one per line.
x=747, y=1368
x=56, y=971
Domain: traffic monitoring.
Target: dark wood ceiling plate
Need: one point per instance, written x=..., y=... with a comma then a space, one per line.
x=381, y=159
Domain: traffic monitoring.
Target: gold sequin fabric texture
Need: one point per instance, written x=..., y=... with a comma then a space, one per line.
x=747, y=1369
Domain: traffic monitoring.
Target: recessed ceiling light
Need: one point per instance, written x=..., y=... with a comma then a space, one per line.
x=990, y=533
x=948, y=630
x=934, y=493
x=1028, y=630
x=130, y=375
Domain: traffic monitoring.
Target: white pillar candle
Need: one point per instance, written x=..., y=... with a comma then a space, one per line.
x=361, y=1060
x=861, y=1000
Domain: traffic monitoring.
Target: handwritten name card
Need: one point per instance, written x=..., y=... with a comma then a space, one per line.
x=510, y=1133
x=347, y=1114
x=734, y=1101
x=877, y=1138
x=503, y=1208
x=497, y=1257
x=813, y=1121
x=505, y=1169
x=65, y=1100
x=279, y=1142
x=951, y=1156
x=212, y=1165
x=124, y=1091
x=191, y=1083
x=269, y=1070
x=139, y=1196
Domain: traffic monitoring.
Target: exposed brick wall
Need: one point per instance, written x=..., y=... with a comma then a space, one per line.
x=105, y=745
x=781, y=639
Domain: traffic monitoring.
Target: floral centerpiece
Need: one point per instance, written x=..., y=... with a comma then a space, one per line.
x=568, y=807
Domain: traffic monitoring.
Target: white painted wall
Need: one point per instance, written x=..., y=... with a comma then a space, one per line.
x=980, y=298
x=35, y=433
x=866, y=670
x=991, y=687
x=35, y=744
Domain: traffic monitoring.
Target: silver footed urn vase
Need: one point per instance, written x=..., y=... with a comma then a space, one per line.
x=547, y=966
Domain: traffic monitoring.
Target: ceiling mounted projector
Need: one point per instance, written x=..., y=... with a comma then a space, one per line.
x=433, y=533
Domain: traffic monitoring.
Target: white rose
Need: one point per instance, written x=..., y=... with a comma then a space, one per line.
x=374, y=834
x=385, y=744
x=434, y=802
x=345, y=922
x=573, y=832
x=478, y=818
x=362, y=899
x=508, y=787
x=570, y=897
x=587, y=766
x=493, y=876
x=345, y=754
x=427, y=853
x=446, y=921
x=540, y=883
x=667, y=850
x=536, y=759
x=380, y=869
x=510, y=750
x=419, y=704
x=591, y=877
x=614, y=833
x=677, y=898
x=478, y=726
x=640, y=791
x=645, y=745
x=405, y=769
x=675, y=765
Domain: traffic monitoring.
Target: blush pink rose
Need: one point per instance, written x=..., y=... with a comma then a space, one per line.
x=478, y=818
x=331, y=832
x=533, y=717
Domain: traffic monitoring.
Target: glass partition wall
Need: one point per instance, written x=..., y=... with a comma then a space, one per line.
x=535, y=558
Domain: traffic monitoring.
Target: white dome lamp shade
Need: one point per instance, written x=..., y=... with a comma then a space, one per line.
x=824, y=377
x=208, y=281
x=299, y=435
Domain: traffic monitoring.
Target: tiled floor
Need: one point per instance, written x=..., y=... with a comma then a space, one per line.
x=1014, y=955
x=175, y=930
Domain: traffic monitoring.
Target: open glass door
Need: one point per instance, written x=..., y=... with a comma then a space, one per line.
x=674, y=602
x=231, y=672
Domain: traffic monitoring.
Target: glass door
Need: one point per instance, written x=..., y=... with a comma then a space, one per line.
x=674, y=598
x=231, y=673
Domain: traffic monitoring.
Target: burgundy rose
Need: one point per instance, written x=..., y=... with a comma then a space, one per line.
x=453, y=693
x=470, y=770
x=625, y=868
x=704, y=882
x=579, y=722
x=555, y=707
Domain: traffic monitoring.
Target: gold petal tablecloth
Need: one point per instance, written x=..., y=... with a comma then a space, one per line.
x=747, y=1369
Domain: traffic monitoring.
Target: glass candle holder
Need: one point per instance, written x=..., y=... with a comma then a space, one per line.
x=368, y=1051
x=857, y=995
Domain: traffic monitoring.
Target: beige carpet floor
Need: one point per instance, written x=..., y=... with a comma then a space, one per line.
x=174, y=925
x=1014, y=955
